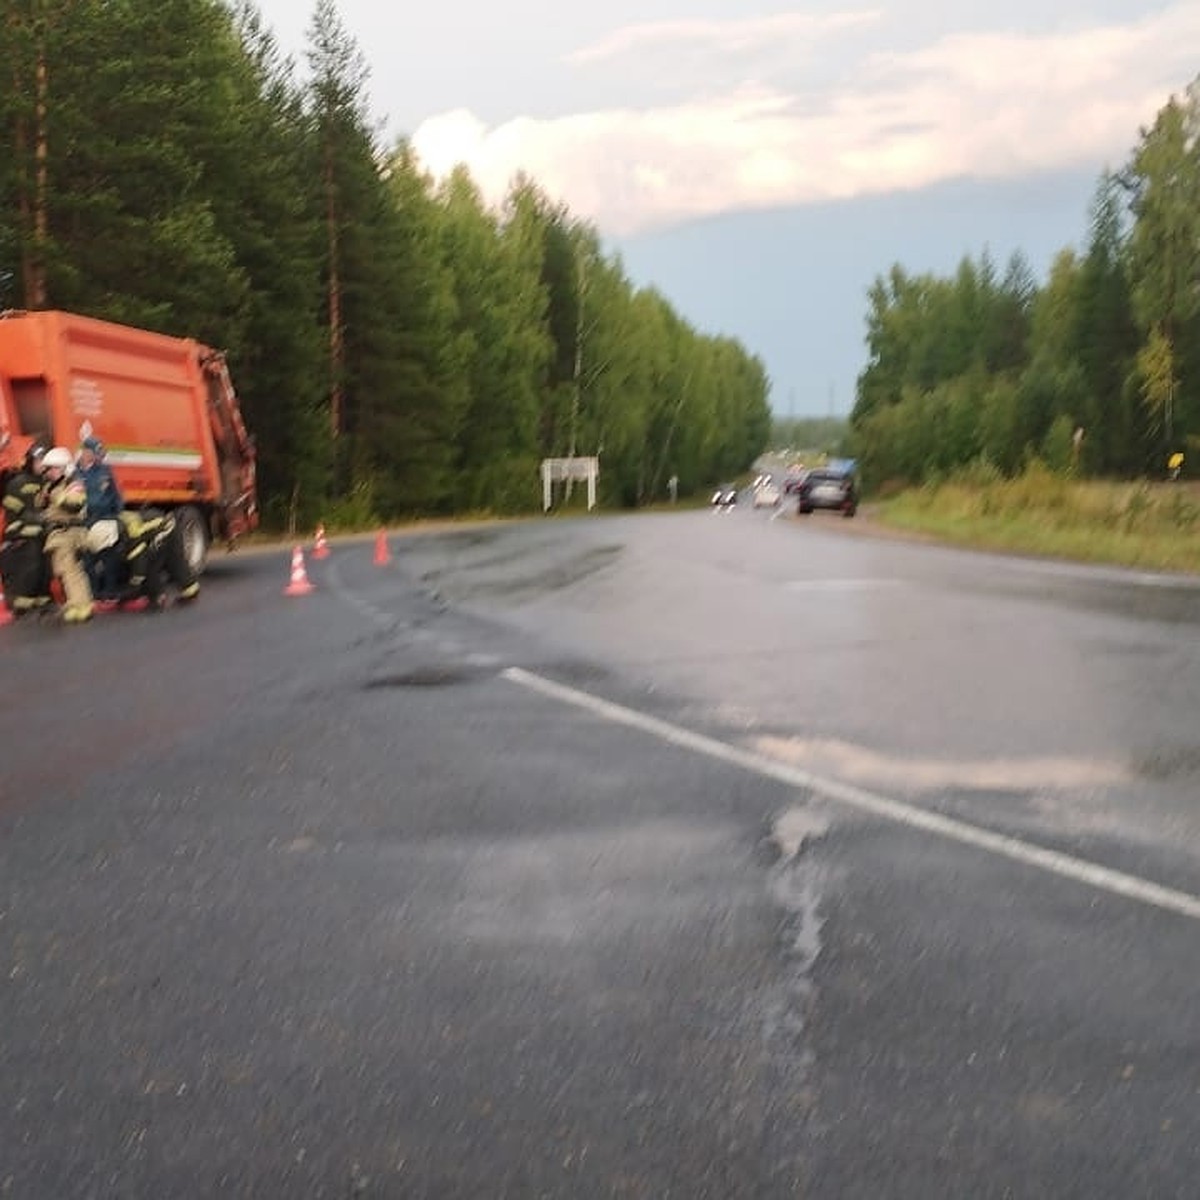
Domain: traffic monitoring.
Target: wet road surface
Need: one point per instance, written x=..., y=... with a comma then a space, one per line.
x=586, y=858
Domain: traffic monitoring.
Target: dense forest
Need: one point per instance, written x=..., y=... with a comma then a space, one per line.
x=1097, y=371
x=399, y=347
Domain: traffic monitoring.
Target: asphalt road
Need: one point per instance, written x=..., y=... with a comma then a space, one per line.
x=665, y=856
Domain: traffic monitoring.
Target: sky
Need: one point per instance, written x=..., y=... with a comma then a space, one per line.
x=760, y=165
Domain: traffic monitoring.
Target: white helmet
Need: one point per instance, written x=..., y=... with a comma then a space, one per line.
x=59, y=458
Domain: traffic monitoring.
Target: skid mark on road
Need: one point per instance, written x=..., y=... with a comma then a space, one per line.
x=797, y=887
x=374, y=614
x=1054, y=862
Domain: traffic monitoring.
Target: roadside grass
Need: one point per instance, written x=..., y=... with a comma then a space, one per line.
x=1155, y=526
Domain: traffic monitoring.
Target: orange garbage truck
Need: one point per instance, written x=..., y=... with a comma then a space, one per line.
x=164, y=407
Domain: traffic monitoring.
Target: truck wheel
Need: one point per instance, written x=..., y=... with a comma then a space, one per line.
x=194, y=533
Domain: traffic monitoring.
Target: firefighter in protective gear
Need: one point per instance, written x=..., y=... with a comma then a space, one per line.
x=22, y=553
x=154, y=554
x=66, y=531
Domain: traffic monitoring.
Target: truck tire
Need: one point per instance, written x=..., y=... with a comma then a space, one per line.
x=194, y=533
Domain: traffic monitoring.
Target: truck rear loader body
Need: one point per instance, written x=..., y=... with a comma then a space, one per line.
x=164, y=407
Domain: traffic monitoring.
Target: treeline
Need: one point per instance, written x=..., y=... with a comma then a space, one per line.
x=1096, y=371
x=399, y=347
x=805, y=435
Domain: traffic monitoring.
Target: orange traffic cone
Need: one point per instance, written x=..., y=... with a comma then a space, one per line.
x=299, y=585
x=320, y=545
x=382, y=556
x=6, y=617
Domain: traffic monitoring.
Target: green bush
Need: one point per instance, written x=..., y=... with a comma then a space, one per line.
x=1137, y=506
x=980, y=472
x=1181, y=512
x=1058, y=446
x=354, y=511
x=506, y=486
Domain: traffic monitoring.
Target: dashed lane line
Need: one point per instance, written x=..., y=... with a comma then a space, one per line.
x=1067, y=866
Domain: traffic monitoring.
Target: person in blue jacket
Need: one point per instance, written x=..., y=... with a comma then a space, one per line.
x=104, y=503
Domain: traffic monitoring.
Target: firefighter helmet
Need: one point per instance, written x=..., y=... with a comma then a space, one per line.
x=59, y=458
x=34, y=456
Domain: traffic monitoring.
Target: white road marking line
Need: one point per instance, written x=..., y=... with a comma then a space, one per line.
x=1077, y=869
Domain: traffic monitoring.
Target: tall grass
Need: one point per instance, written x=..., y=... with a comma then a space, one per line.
x=1150, y=525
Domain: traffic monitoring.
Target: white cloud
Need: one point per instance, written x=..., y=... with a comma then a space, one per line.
x=981, y=104
x=736, y=35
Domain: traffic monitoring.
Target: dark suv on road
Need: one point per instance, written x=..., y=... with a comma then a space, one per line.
x=833, y=486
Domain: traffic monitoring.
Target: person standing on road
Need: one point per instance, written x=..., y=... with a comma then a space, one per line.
x=66, y=537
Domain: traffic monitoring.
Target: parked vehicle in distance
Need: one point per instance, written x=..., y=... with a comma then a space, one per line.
x=767, y=494
x=793, y=479
x=725, y=496
x=833, y=486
